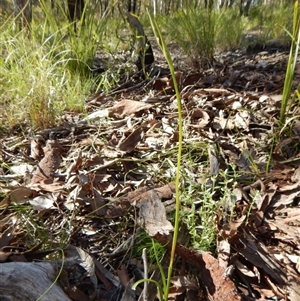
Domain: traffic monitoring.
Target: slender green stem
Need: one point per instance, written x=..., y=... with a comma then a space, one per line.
x=289, y=75
x=167, y=55
x=152, y=281
x=56, y=279
x=160, y=267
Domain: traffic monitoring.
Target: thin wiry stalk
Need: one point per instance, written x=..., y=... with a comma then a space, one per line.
x=167, y=55
x=290, y=69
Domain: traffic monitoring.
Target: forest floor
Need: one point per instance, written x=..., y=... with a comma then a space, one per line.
x=92, y=184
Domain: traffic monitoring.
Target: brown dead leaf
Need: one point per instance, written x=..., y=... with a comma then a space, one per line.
x=191, y=79
x=98, y=206
x=266, y=198
x=161, y=83
x=213, y=276
x=223, y=253
x=4, y=256
x=129, y=144
x=74, y=167
x=123, y=275
x=71, y=201
x=184, y=281
x=166, y=83
x=102, y=277
x=7, y=235
x=129, y=293
x=230, y=229
x=259, y=256
x=20, y=195
x=49, y=185
x=175, y=291
x=126, y=107
x=284, y=198
x=292, y=233
x=201, y=117
x=106, y=276
x=164, y=192
x=244, y=269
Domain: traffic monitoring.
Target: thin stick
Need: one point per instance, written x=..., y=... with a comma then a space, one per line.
x=144, y=257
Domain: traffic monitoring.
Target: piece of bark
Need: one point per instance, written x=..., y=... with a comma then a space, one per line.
x=49, y=164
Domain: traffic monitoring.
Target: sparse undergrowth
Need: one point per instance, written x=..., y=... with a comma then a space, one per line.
x=233, y=176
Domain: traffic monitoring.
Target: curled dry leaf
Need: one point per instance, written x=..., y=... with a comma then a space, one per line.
x=224, y=253
x=200, y=117
x=7, y=235
x=49, y=164
x=230, y=229
x=74, y=167
x=166, y=83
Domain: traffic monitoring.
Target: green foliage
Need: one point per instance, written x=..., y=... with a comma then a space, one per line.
x=229, y=29
x=194, y=30
x=199, y=32
x=270, y=19
x=36, y=79
x=166, y=281
x=48, y=70
x=206, y=200
x=155, y=250
x=34, y=230
x=291, y=65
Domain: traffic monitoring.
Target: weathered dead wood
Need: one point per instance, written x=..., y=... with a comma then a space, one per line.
x=29, y=281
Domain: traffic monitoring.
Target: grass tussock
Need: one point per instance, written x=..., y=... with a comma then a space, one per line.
x=197, y=33
x=47, y=70
x=201, y=32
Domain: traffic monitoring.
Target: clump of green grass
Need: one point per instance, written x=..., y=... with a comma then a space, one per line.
x=48, y=71
x=229, y=29
x=270, y=19
x=154, y=249
x=36, y=86
x=199, y=32
x=194, y=30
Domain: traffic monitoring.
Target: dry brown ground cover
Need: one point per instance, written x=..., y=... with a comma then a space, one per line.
x=88, y=186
